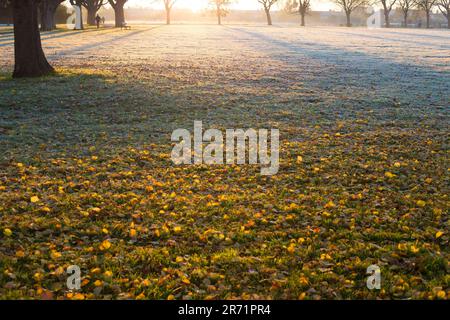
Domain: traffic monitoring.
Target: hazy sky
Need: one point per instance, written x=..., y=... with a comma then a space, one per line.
x=197, y=5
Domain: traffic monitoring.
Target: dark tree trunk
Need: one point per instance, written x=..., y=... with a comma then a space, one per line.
x=405, y=19
x=91, y=16
x=269, y=18
x=347, y=14
x=302, y=17
x=30, y=59
x=167, y=15
x=47, y=15
x=428, y=19
x=119, y=15
x=386, y=19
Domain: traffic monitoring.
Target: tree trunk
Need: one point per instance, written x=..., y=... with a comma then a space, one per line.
x=386, y=19
x=167, y=15
x=47, y=15
x=448, y=20
x=428, y=19
x=219, y=15
x=30, y=59
x=119, y=14
x=405, y=19
x=347, y=14
x=91, y=16
x=302, y=14
x=269, y=18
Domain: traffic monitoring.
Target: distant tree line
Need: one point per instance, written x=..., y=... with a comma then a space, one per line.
x=302, y=7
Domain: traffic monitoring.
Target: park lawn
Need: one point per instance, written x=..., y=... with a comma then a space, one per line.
x=86, y=179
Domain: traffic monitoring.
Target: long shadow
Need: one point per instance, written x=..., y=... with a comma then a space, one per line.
x=10, y=35
x=45, y=111
x=368, y=35
x=322, y=51
x=352, y=82
x=58, y=34
x=447, y=37
x=101, y=43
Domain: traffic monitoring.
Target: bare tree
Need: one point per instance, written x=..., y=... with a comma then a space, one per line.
x=387, y=7
x=405, y=7
x=349, y=6
x=267, y=4
x=220, y=8
x=302, y=7
x=47, y=9
x=168, y=5
x=427, y=6
x=444, y=7
x=92, y=7
x=119, y=13
x=30, y=60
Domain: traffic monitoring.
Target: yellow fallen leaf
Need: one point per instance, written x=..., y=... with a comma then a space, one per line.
x=421, y=203
x=414, y=249
x=145, y=282
x=84, y=213
x=7, y=232
x=37, y=276
x=291, y=248
x=34, y=199
x=55, y=255
x=20, y=254
x=108, y=274
x=96, y=270
x=105, y=245
x=78, y=296
x=98, y=283
x=140, y=297
x=439, y=234
x=388, y=174
x=330, y=204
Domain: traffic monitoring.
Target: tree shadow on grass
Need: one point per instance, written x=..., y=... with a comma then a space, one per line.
x=72, y=111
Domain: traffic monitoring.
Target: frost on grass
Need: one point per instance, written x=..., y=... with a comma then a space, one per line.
x=86, y=179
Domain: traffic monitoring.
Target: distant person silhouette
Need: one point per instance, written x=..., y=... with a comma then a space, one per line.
x=97, y=20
